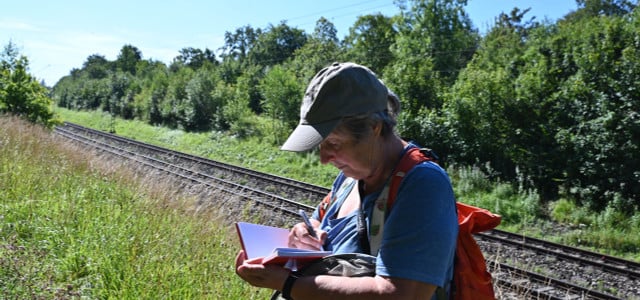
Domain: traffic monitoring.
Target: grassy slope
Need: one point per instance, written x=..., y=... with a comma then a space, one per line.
x=73, y=226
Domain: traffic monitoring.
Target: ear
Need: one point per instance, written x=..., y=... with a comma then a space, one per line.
x=377, y=129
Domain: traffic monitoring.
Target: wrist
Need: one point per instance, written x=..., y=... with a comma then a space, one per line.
x=288, y=284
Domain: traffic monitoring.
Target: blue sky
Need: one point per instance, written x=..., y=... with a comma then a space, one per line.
x=58, y=36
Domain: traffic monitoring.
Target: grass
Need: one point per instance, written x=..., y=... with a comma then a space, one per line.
x=75, y=227
x=563, y=221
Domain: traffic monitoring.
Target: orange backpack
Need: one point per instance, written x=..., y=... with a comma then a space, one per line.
x=471, y=280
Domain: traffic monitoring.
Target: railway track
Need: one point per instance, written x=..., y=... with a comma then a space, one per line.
x=285, y=187
x=614, y=278
x=249, y=193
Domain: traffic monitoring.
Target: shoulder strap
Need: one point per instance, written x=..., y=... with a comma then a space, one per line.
x=411, y=158
x=383, y=204
x=346, y=186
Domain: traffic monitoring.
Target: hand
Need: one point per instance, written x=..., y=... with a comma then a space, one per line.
x=300, y=238
x=259, y=275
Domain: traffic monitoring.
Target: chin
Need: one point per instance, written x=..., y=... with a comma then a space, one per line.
x=346, y=172
x=352, y=175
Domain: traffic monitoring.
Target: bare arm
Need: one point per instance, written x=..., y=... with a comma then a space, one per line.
x=335, y=287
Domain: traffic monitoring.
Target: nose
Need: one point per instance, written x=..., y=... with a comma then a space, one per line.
x=326, y=155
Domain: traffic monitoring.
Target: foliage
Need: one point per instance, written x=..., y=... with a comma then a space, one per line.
x=434, y=42
x=554, y=107
x=601, y=125
x=193, y=58
x=128, y=58
x=282, y=97
x=321, y=49
x=20, y=93
x=199, y=106
x=370, y=40
x=545, y=107
x=238, y=44
x=237, y=112
x=275, y=45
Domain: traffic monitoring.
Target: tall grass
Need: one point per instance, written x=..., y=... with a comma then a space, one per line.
x=563, y=221
x=75, y=227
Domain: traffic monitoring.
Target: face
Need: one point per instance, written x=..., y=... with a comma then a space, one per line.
x=352, y=158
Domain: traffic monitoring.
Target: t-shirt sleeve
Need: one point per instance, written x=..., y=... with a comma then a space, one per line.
x=420, y=233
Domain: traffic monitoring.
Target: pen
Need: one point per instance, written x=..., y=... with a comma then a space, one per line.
x=312, y=232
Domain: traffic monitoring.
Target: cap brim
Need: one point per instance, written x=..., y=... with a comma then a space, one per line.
x=306, y=137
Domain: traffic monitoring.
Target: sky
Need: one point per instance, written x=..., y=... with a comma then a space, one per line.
x=58, y=36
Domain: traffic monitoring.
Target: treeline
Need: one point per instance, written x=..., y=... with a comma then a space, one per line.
x=20, y=92
x=550, y=106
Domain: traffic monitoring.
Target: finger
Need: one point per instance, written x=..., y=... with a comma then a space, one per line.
x=240, y=258
x=322, y=236
x=295, y=234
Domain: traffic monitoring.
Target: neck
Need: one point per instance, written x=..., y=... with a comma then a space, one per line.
x=384, y=160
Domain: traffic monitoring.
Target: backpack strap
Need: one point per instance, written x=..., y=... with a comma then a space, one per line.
x=346, y=186
x=324, y=205
x=383, y=204
x=412, y=157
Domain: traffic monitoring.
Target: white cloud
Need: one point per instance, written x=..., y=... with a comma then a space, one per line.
x=10, y=24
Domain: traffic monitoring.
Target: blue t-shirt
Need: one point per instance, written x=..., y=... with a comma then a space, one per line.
x=420, y=231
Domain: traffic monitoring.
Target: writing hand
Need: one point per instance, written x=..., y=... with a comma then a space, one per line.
x=299, y=237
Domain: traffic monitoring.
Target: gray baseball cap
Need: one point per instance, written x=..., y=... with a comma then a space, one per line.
x=338, y=91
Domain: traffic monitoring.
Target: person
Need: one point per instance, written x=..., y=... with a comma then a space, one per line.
x=351, y=116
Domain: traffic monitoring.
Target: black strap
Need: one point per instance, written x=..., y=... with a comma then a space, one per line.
x=363, y=230
x=288, y=284
x=363, y=235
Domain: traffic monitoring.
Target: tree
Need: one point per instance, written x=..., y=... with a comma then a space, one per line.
x=276, y=44
x=20, y=92
x=238, y=44
x=234, y=52
x=282, y=97
x=481, y=105
x=600, y=125
x=236, y=112
x=194, y=58
x=128, y=58
x=435, y=41
x=172, y=106
x=97, y=66
x=369, y=41
x=199, y=106
x=440, y=31
x=593, y=8
x=321, y=49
